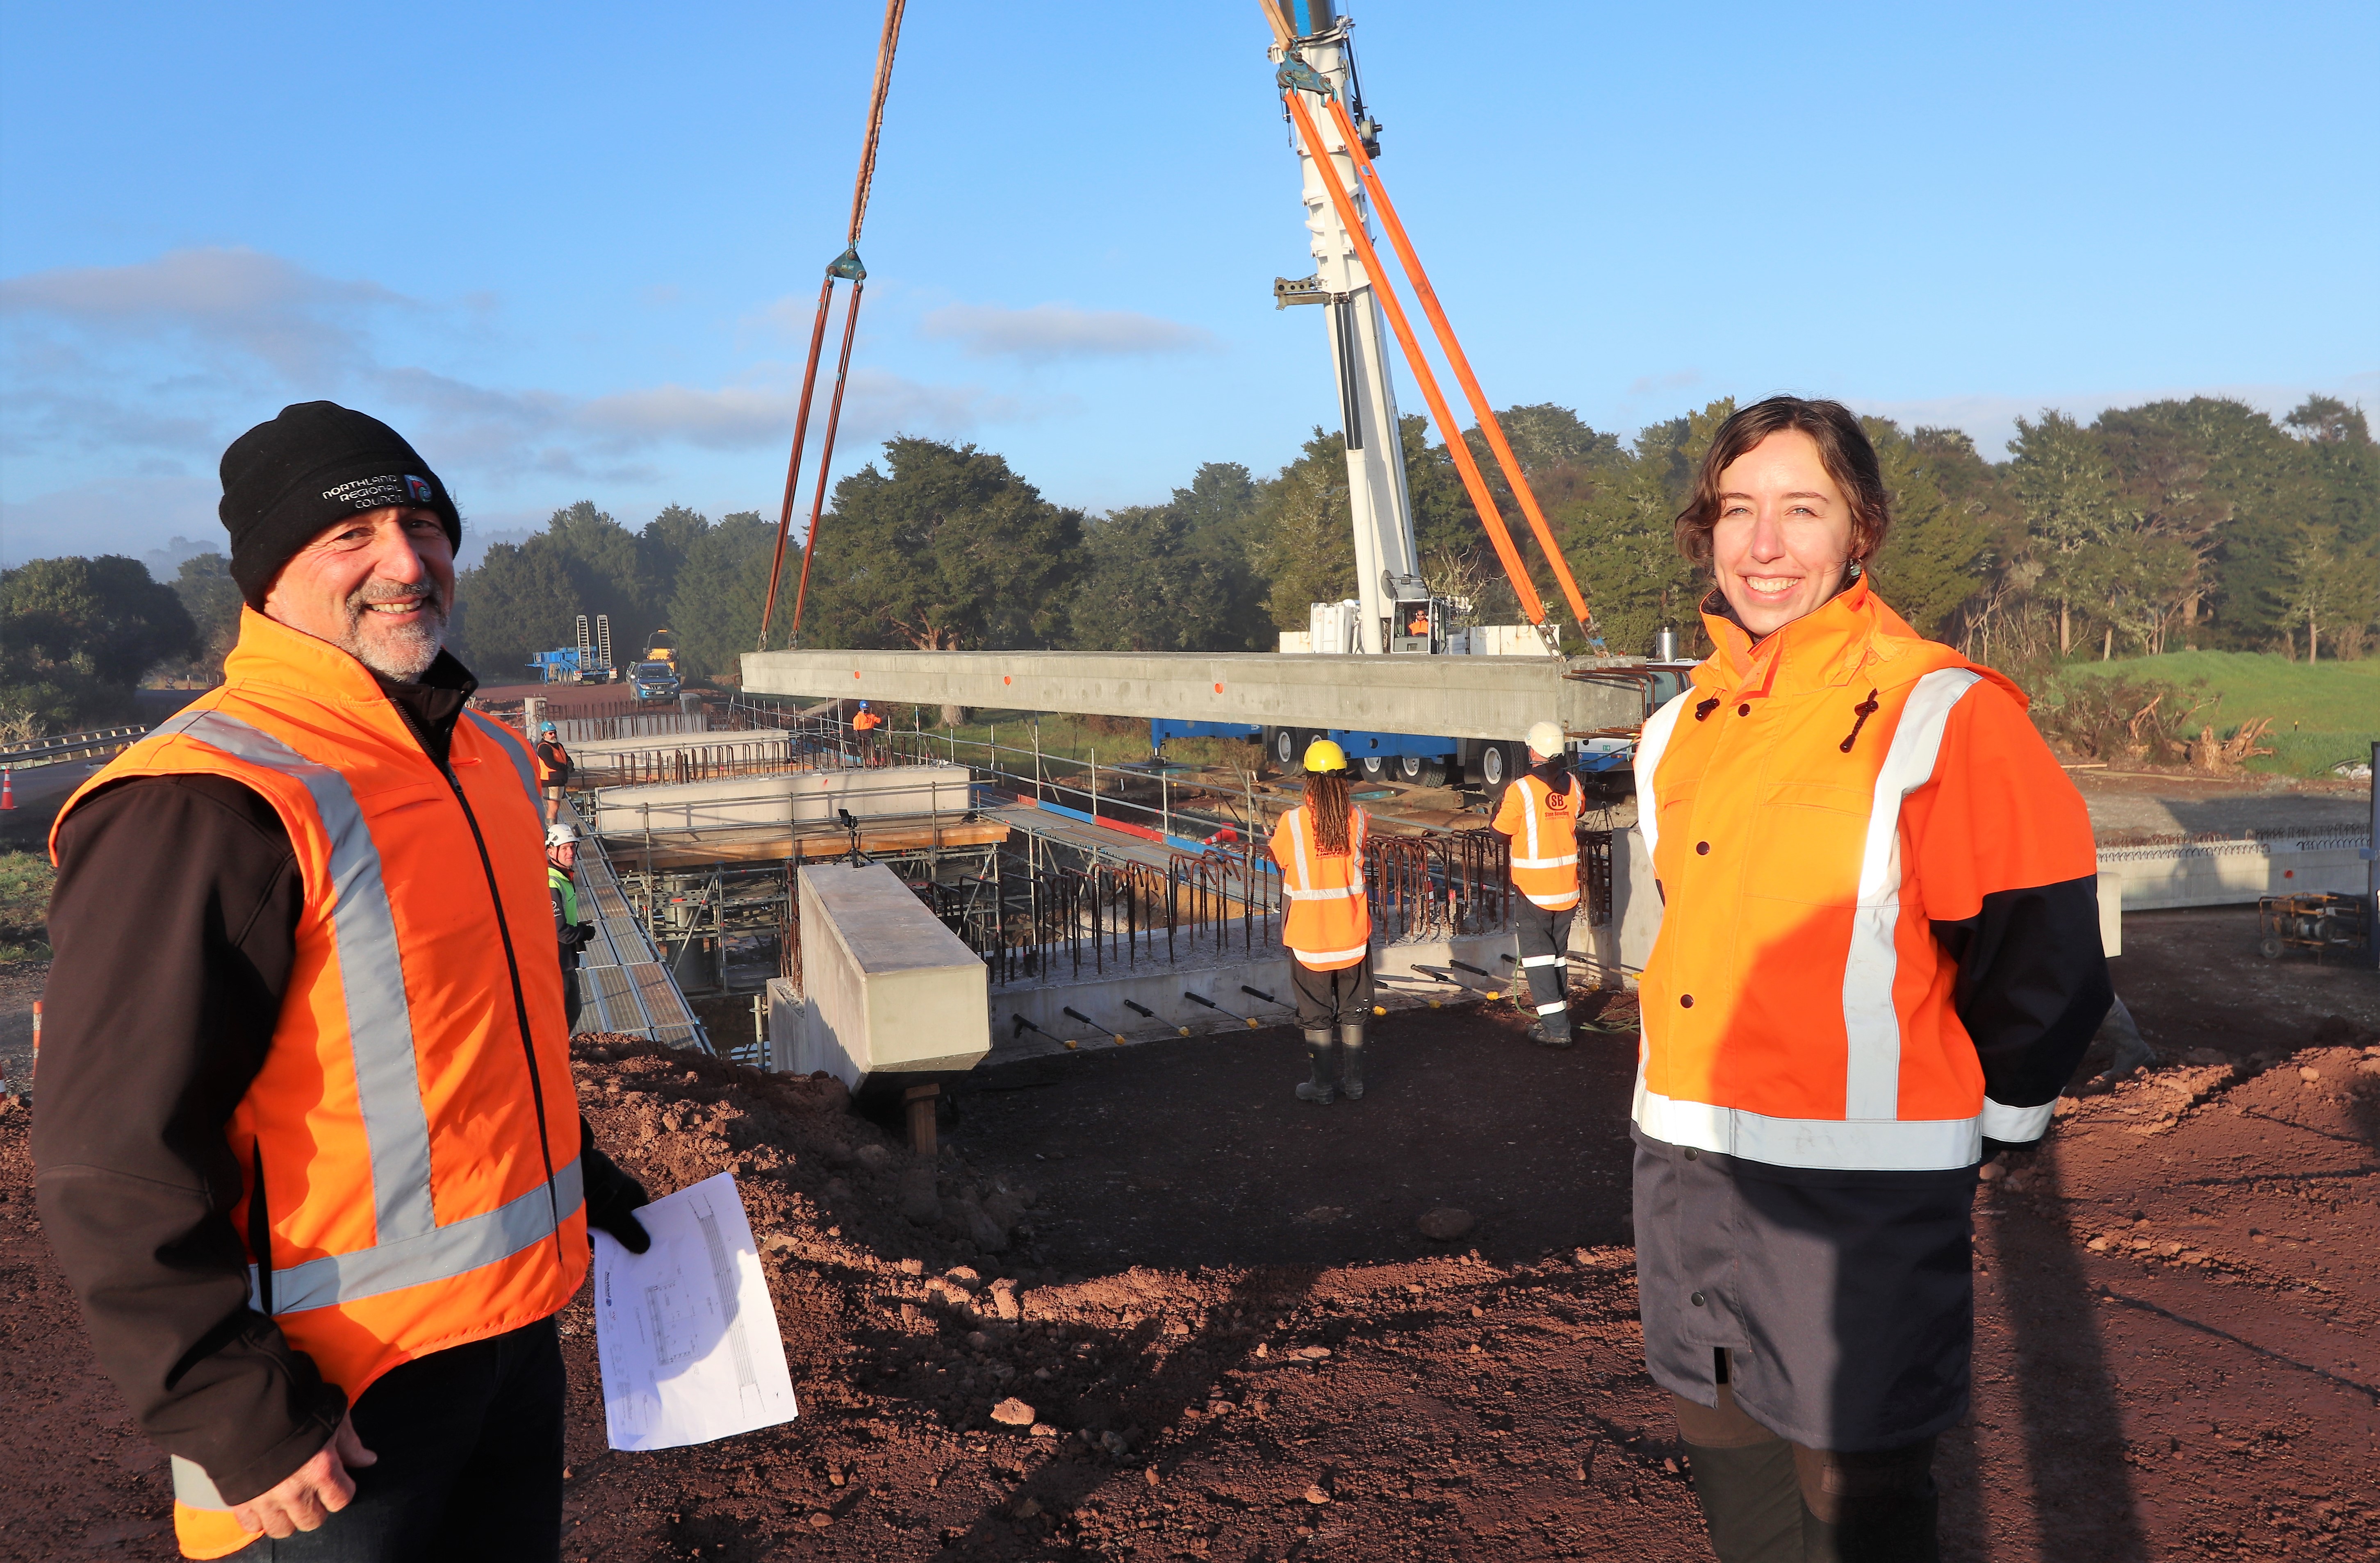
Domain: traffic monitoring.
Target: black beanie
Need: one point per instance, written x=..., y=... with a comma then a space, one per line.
x=285, y=480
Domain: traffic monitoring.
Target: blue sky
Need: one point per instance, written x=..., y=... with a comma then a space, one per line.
x=572, y=251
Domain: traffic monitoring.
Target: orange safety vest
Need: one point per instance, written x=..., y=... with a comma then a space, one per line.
x=1813, y=805
x=865, y=721
x=416, y=1153
x=1544, y=828
x=546, y=774
x=1328, y=925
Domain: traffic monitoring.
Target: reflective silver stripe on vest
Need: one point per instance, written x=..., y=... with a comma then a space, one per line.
x=501, y=735
x=454, y=1249
x=1874, y=1145
x=379, y=1025
x=1652, y=742
x=193, y=1488
x=1871, y=1017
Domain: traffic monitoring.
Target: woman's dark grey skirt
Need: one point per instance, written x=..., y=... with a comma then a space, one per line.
x=1845, y=1299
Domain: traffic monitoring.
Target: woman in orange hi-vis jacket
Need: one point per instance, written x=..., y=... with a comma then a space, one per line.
x=1327, y=925
x=1878, y=963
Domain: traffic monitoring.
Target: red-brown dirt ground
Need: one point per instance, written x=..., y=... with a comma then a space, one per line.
x=1221, y=1308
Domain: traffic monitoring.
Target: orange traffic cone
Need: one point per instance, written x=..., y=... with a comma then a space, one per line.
x=8, y=786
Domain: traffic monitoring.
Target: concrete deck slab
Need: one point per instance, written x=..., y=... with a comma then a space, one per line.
x=1495, y=697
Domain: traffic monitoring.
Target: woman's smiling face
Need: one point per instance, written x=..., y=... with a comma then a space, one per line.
x=1783, y=533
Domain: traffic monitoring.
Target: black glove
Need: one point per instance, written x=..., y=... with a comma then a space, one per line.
x=612, y=1197
x=575, y=937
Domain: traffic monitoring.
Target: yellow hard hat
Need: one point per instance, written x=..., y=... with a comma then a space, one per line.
x=1323, y=755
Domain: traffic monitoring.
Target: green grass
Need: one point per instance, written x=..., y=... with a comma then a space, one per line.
x=2322, y=712
x=25, y=878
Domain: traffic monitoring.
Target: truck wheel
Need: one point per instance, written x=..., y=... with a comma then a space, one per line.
x=1285, y=747
x=1376, y=767
x=1493, y=767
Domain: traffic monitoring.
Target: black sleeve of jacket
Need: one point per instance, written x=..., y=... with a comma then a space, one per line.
x=2032, y=988
x=175, y=924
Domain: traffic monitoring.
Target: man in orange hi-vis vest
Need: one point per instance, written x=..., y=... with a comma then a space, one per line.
x=1327, y=925
x=1878, y=963
x=1539, y=811
x=306, y=1145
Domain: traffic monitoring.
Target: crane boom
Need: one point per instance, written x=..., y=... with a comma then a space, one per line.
x=1388, y=565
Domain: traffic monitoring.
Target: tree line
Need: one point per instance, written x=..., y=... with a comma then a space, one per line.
x=2200, y=522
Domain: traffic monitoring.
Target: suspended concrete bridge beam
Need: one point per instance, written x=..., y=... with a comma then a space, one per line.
x=1489, y=697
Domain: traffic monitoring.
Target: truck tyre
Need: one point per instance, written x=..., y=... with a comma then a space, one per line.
x=1376, y=768
x=1285, y=750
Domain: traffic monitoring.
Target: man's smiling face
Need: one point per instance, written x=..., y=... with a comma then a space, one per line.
x=378, y=586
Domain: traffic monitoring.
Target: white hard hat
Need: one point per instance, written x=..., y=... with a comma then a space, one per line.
x=1546, y=738
x=562, y=832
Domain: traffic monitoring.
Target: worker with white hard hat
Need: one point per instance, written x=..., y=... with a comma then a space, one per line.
x=1326, y=924
x=1540, y=813
x=569, y=932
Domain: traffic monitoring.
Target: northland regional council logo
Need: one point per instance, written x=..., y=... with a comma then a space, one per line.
x=419, y=490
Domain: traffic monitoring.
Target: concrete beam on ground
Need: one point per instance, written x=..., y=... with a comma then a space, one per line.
x=1490, y=697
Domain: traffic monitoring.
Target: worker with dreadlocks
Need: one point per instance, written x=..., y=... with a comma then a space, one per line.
x=1328, y=928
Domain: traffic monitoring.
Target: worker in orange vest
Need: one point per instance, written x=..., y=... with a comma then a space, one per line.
x=307, y=1146
x=864, y=723
x=1879, y=964
x=1327, y=926
x=554, y=768
x=1539, y=811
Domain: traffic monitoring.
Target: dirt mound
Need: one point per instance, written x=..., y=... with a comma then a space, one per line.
x=2175, y=1306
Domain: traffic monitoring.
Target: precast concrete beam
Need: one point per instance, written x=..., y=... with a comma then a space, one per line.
x=1490, y=697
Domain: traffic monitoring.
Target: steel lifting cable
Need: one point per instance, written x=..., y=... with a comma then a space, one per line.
x=1461, y=363
x=1456, y=446
x=845, y=266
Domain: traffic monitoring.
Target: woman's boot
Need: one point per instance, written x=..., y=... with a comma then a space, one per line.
x=1318, y=1052
x=1351, y=1060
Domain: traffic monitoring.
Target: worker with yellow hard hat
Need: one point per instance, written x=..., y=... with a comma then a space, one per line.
x=1327, y=926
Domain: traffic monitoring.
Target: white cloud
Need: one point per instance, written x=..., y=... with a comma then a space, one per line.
x=1048, y=331
x=1663, y=384
x=151, y=368
x=299, y=324
x=130, y=515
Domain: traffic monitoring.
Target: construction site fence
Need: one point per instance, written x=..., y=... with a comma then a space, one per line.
x=1046, y=920
x=1038, y=916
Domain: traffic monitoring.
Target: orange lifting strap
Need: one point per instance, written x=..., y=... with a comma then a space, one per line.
x=846, y=266
x=1461, y=364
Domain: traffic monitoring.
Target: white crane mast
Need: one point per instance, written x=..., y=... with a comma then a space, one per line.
x=1387, y=562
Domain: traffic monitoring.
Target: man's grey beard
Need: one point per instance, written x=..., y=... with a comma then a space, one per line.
x=404, y=655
